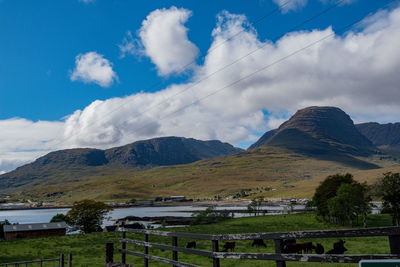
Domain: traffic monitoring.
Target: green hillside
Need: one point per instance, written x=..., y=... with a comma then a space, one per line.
x=267, y=171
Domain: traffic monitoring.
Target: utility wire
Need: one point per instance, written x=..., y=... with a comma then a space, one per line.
x=210, y=51
x=324, y=11
x=342, y=29
x=234, y=62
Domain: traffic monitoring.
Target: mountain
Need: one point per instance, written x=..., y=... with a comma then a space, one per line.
x=263, y=139
x=381, y=134
x=324, y=132
x=73, y=163
x=286, y=162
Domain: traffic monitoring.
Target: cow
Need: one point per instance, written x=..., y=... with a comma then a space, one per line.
x=338, y=248
x=289, y=241
x=258, y=243
x=307, y=247
x=293, y=247
x=191, y=244
x=229, y=245
x=319, y=249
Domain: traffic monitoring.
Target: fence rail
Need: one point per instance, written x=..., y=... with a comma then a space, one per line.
x=60, y=260
x=280, y=258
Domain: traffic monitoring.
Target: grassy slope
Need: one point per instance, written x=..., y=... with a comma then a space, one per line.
x=291, y=174
x=88, y=250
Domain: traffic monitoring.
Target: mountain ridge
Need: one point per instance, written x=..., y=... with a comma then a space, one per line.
x=162, y=151
x=313, y=143
x=381, y=134
x=328, y=127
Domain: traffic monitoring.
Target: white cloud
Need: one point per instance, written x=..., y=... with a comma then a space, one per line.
x=163, y=38
x=288, y=5
x=129, y=45
x=93, y=67
x=22, y=140
x=357, y=72
x=343, y=71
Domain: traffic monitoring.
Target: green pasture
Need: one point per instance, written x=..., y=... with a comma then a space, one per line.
x=89, y=249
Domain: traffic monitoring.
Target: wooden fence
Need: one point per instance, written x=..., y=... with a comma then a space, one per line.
x=60, y=260
x=280, y=258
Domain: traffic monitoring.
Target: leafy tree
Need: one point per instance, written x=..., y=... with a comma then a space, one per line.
x=210, y=215
x=255, y=206
x=363, y=196
x=343, y=206
x=88, y=215
x=327, y=189
x=350, y=201
x=59, y=217
x=5, y=222
x=390, y=193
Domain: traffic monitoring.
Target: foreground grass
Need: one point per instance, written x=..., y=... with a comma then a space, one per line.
x=88, y=250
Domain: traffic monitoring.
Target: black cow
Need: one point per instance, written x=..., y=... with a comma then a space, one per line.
x=229, y=245
x=304, y=247
x=292, y=248
x=338, y=248
x=289, y=241
x=191, y=244
x=307, y=247
x=258, y=243
x=319, y=249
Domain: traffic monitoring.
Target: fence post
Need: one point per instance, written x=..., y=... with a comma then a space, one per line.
x=146, y=250
x=109, y=252
x=123, y=260
x=70, y=260
x=394, y=242
x=278, y=250
x=174, y=253
x=215, y=248
x=62, y=260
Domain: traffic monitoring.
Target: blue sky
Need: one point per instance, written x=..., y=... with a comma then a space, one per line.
x=91, y=74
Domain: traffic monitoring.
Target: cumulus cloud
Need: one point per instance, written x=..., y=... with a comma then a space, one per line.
x=357, y=71
x=163, y=38
x=23, y=140
x=93, y=68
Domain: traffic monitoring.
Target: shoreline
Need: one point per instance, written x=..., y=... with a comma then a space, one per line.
x=206, y=203
x=239, y=203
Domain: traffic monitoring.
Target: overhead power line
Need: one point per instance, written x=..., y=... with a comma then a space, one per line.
x=324, y=11
x=340, y=30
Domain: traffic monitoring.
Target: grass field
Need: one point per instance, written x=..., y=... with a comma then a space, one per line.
x=88, y=250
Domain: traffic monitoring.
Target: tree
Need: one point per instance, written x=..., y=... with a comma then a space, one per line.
x=343, y=206
x=88, y=215
x=363, y=205
x=327, y=189
x=255, y=206
x=210, y=215
x=390, y=193
x=5, y=222
x=59, y=217
x=350, y=201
